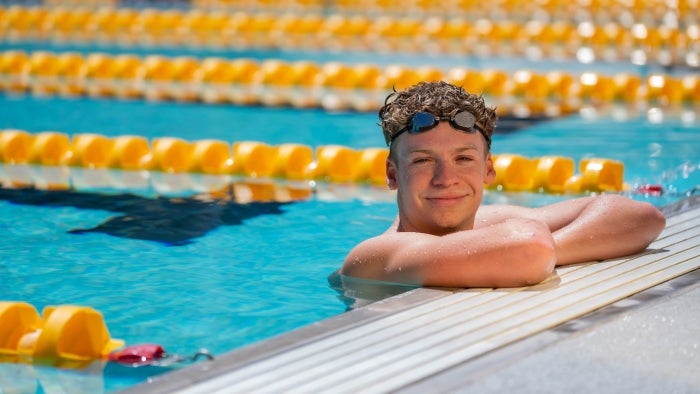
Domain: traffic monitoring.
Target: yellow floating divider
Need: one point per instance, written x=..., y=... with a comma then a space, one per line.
x=372, y=165
x=601, y=175
x=552, y=173
x=293, y=161
x=12, y=69
x=18, y=322
x=555, y=174
x=92, y=150
x=513, y=172
x=99, y=75
x=15, y=146
x=51, y=148
x=336, y=163
x=74, y=333
x=130, y=152
x=42, y=71
x=63, y=333
x=211, y=157
x=253, y=159
x=332, y=86
x=172, y=154
x=400, y=28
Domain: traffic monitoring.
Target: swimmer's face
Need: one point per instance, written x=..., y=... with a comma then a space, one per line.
x=440, y=176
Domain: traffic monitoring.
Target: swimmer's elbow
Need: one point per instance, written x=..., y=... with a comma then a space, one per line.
x=654, y=220
x=644, y=222
x=541, y=260
x=537, y=257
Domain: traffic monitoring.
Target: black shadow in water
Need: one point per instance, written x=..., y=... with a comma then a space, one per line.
x=171, y=221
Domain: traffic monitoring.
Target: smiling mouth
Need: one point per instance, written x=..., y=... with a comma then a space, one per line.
x=446, y=199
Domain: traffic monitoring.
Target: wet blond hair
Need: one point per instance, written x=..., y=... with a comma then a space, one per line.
x=438, y=98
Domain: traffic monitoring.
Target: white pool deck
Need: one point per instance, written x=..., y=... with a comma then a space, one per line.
x=622, y=325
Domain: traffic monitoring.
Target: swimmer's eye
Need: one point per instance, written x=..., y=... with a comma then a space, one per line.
x=421, y=160
x=465, y=158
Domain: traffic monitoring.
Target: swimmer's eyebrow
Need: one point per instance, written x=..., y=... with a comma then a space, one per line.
x=466, y=147
x=458, y=149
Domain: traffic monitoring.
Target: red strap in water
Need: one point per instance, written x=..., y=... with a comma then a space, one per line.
x=138, y=354
x=655, y=190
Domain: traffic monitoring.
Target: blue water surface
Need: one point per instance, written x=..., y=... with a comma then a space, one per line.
x=226, y=275
x=235, y=285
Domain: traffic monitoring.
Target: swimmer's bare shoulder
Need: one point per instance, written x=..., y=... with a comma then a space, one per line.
x=513, y=252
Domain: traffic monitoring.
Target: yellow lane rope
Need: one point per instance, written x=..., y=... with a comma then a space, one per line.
x=296, y=162
x=639, y=40
x=333, y=85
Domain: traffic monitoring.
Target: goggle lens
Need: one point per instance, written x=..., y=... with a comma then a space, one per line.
x=423, y=121
x=464, y=121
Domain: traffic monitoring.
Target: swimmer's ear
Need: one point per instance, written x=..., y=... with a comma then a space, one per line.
x=391, y=175
x=490, y=174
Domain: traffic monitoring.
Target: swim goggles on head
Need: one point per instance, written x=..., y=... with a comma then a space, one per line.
x=462, y=121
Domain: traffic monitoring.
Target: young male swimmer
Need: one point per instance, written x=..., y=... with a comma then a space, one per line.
x=439, y=139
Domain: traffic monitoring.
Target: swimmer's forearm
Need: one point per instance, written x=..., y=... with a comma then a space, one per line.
x=608, y=227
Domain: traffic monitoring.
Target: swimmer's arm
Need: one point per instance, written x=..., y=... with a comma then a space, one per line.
x=591, y=228
x=513, y=253
x=606, y=227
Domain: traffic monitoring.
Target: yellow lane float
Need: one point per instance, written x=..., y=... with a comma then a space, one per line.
x=293, y=161
x=552, y=173
x=463, y=28
x=556, y=174
x=211, y=157
x=332, y=86
x=600, y=174
x=171, y=154
x=336, y=163
x=254, y=159
x=15, y=146
x=63, y=334
x=513, y=172
x=548, y=174
x=71, y=336
x=130, y=152
x=51, y=148
x=373, y=165
x=91, y=150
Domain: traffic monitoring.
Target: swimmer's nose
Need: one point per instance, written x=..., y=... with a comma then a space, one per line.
x=445, y=174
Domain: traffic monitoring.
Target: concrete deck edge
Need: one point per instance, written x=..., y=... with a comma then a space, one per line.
x=452, y=379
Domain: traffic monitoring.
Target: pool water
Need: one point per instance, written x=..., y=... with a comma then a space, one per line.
x=243, y=281
x=191, y=273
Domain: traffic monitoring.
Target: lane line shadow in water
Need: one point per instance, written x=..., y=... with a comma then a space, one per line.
x=170, y=221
